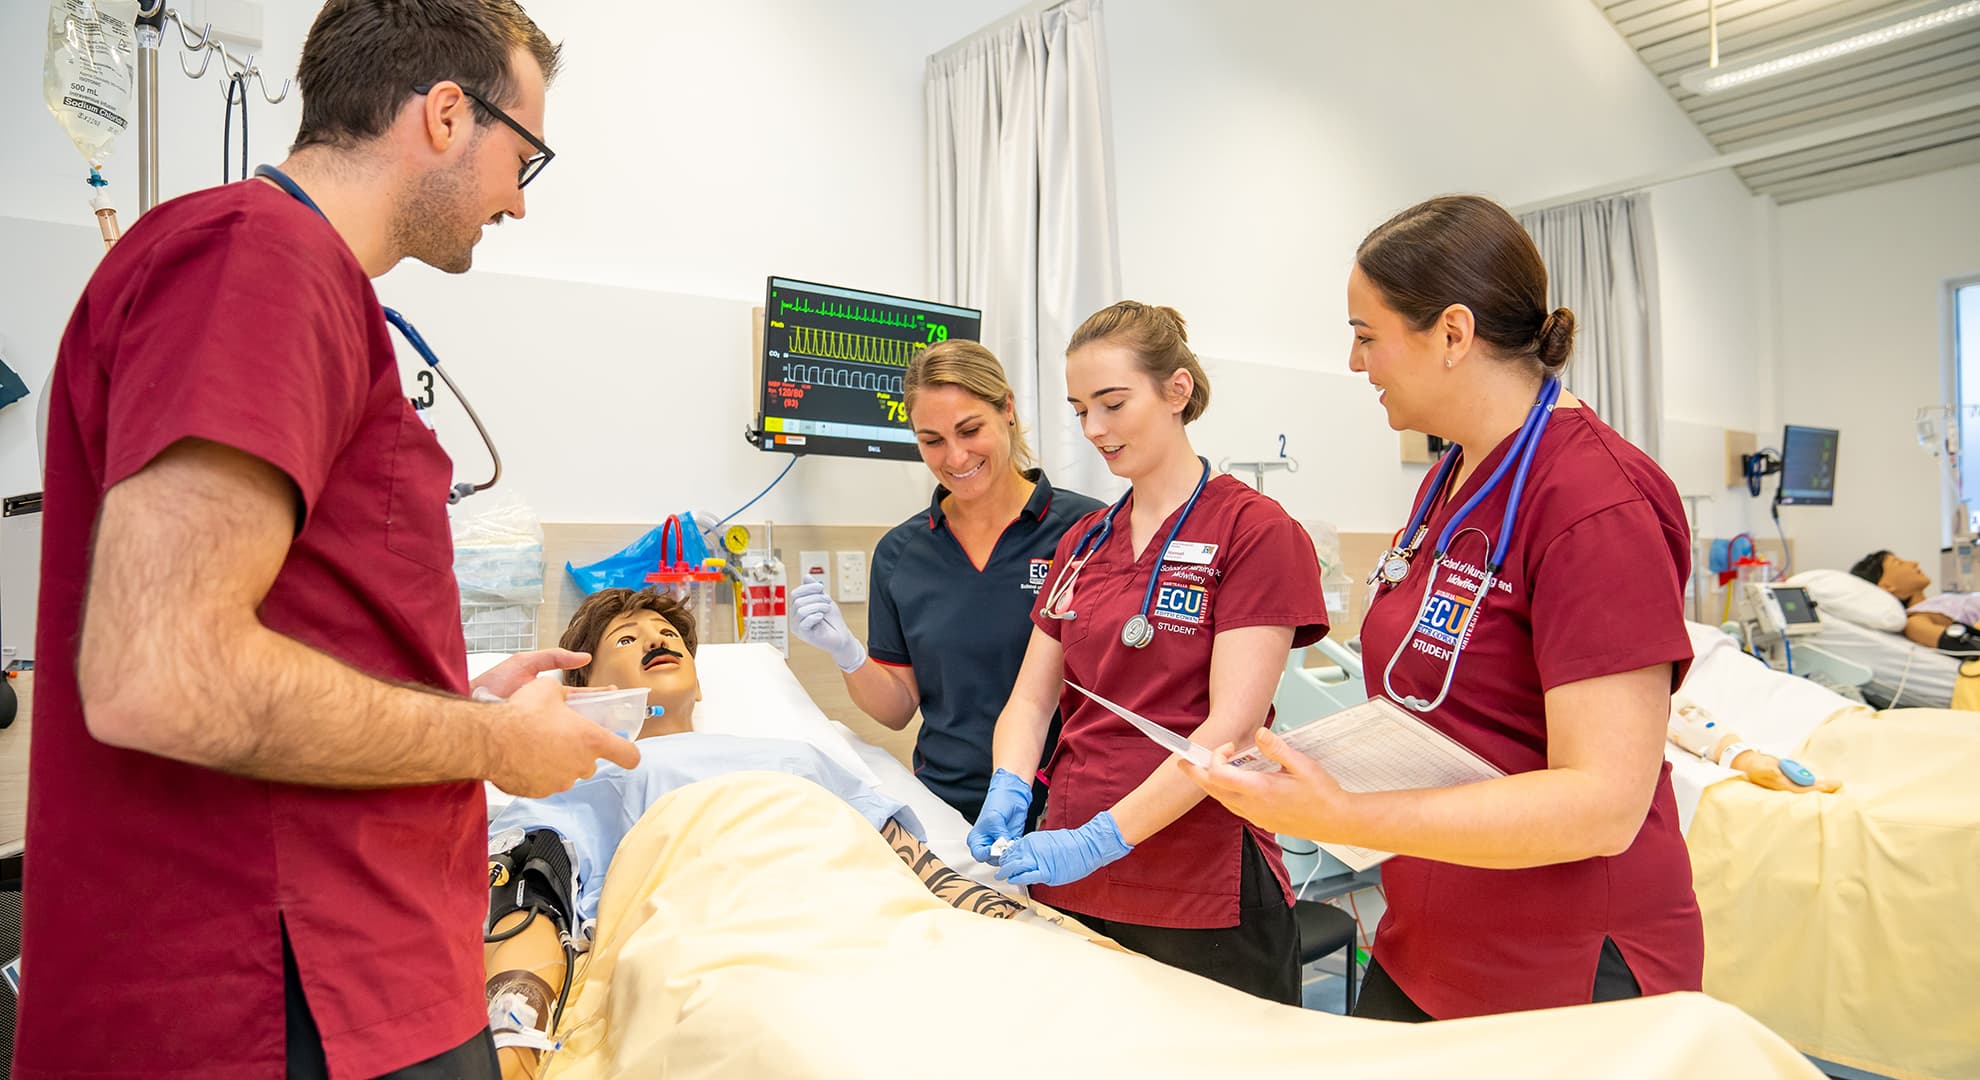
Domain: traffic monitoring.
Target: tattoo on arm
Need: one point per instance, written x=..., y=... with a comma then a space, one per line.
x=947, y=885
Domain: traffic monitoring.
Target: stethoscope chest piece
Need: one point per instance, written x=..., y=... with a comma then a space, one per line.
x=1137, y=632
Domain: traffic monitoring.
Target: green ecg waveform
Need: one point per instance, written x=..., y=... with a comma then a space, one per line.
x=862, y=348
x=851, y=313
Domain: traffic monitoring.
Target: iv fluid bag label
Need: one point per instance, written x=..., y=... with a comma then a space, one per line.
x=90, y=68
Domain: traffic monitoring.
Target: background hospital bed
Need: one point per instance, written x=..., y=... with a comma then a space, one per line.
x=1843, y=922
x=1896, y=663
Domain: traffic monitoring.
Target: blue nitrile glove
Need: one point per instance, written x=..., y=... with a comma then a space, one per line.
x=1002, y=816
x=1063, y=856
x=818, y=622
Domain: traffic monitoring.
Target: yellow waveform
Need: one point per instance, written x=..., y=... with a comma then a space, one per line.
x=863, y=348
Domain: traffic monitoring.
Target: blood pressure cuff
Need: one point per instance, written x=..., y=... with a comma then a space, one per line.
x=534, y=875
x=1958, y=637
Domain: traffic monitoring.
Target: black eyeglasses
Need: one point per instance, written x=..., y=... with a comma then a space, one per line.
x=530, y=167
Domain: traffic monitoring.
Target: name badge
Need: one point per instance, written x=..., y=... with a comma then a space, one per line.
x=1184, y=551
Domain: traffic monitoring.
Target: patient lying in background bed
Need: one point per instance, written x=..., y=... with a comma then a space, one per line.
x=548, y=857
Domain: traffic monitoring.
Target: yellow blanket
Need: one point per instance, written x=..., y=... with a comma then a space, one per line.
x=1848, y=922
x=754, y=926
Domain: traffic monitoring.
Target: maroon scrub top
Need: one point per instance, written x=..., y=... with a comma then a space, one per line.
x=157, y=892
x=1594, y=586
x=1238, y=561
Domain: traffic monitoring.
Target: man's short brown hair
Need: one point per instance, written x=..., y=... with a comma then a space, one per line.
x=600, y=609
x=363, y=57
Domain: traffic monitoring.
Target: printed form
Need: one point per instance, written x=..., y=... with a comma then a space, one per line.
x=1376, y=746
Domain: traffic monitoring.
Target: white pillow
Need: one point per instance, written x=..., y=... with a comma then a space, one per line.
x=749, y=690
x=1846, y=596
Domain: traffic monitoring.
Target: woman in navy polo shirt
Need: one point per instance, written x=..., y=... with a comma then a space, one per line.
x=952, y=586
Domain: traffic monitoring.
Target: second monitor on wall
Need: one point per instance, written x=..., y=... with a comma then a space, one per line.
x=1808, y=466
x=829, y=376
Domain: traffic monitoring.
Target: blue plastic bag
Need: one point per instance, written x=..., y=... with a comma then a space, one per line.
x=627, y=568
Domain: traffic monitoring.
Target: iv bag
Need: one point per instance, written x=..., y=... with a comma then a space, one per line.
x=90, y=69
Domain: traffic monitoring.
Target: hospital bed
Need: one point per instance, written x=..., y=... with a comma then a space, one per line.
x=753, y=926
x=1843, y=922
x=1902, y=672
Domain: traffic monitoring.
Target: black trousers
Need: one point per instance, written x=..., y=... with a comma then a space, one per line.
x=1260, y=955
x=1382, y=999
x=472, y=1060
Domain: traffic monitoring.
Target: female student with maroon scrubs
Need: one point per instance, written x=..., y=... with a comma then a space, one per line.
x=1565, y=881
x=1180, y=603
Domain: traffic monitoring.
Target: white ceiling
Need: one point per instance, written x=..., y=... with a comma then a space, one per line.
x=1671, y=38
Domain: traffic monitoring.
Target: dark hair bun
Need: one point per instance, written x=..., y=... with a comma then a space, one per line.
x=1556, y=340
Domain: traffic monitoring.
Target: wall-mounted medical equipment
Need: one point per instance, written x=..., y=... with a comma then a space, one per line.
x=1806, y=464
x=829, y=377
x=1769, y=612
x=689, y=573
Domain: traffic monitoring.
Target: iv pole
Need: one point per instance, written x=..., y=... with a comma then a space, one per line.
x=150, y=36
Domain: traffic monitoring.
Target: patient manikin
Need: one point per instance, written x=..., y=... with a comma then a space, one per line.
x=1693, y=729
x=1944, y=622
x=537, y=846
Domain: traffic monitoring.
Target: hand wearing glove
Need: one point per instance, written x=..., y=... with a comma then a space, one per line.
x=818, y=622
x=1002, y=816
x=1063, y=856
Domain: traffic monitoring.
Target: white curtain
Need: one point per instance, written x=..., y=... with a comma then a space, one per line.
x=1021, y=206
x=1602, y=265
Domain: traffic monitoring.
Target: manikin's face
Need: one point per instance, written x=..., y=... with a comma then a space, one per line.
x=1134, y=420
x=441, y=215
x=1902, y=577
x=642, y=648
x=965, y=441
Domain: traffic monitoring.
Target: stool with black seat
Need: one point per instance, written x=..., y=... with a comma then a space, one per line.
x=1324, y=930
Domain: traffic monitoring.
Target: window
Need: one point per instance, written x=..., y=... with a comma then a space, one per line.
x=1966, y=366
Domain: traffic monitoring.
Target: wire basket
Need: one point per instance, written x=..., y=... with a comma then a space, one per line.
x=500, y=628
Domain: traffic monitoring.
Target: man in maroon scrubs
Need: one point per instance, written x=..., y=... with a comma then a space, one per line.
x=255, y=814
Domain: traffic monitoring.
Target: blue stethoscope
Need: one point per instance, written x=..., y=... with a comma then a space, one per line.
x=1394, y=565
x=1137, y=632
x=458, y=491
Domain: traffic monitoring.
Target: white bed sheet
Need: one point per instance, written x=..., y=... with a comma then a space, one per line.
x=748, y=689
x=1774, y=711
x=1927, y=675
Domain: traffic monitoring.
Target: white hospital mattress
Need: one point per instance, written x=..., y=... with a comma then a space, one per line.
x=1926, y=675
x=1774, y=711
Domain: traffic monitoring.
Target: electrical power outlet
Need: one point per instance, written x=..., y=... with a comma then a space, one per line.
x=816, y=564
x=852, y=577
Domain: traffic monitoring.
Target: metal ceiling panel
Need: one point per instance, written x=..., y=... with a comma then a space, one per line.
x=1671, y=38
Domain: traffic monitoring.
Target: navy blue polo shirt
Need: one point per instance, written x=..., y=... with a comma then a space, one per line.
x=962, y=629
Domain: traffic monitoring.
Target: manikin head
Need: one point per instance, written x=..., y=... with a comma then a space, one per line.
x=643, y=638
x=1900, y=577
x=439, y=103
